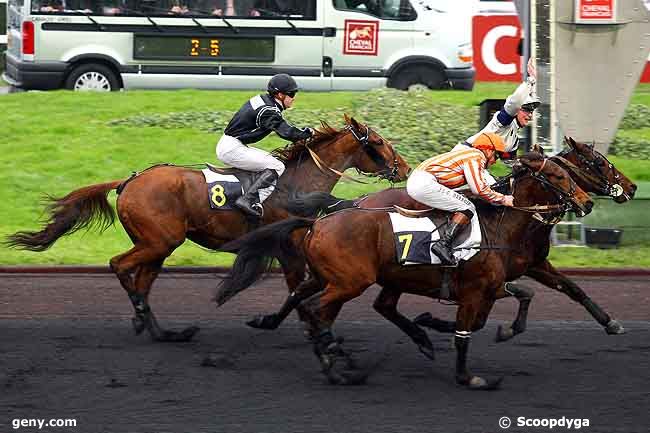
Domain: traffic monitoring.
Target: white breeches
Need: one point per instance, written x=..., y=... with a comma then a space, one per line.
x=424, y=187
x=236, y=154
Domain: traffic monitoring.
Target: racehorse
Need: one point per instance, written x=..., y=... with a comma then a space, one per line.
x=162, y=206
x=349, y=250
x=592, y=171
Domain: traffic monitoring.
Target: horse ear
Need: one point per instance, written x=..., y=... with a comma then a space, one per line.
x=355, y=124
x=347, y=118
x=571, y=142
x=537, y=148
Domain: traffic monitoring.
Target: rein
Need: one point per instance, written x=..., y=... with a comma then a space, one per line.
x=366, y=146
x=324, y=167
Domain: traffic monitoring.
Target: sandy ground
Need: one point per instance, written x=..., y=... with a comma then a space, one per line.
x=67, y=351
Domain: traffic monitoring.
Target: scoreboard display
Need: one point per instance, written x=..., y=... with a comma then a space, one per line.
x=203, y=47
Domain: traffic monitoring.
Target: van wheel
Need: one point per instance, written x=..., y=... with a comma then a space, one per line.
x=418, y=76
x=92, y=77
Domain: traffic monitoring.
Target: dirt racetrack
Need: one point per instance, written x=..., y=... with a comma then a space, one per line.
x=67, y=351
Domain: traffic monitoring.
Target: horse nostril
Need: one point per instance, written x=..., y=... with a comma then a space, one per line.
x=589, y=206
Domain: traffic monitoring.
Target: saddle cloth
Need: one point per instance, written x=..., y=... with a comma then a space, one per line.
x=223, y=189
x=413, y=237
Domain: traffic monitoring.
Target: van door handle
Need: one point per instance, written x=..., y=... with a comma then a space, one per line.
x=329, y=32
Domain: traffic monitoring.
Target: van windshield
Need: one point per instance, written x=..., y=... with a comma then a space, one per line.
x=386, y=9
x=282, y=9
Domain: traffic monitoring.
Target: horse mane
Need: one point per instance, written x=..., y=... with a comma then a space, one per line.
x=294, y=151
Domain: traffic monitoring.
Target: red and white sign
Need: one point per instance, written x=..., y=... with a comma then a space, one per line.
x=495, y=39
x=361, y=37
x=595, y=11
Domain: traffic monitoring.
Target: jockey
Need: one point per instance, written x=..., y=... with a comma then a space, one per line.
x=516, y=113
x=431, y=183
x=256, y=119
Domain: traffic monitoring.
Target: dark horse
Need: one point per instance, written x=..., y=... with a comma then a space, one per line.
x=350, y=250
x=586, y=166
x=162, y=206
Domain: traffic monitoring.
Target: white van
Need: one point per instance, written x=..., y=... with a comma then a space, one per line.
x=238, y=44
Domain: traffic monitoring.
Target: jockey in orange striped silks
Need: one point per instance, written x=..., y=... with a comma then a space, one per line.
x=431, y=183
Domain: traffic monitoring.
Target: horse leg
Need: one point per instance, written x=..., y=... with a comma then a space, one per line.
x=294, y=274
x=139, y=259
x=144, y=278
x=471, y=315
x=386, y=305
x=303, y=291
x=546, y=274
x=327, y=347
x=428, y=321
x=524, y=295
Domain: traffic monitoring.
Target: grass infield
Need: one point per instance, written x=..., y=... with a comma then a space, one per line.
x=55, y=142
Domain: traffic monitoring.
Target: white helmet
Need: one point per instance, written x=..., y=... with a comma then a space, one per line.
x=531, y=102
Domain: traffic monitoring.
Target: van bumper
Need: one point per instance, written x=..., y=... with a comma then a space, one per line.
x=28, y=75
x=461, y=78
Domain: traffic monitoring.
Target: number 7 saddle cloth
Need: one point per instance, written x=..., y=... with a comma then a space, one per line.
x=413, y=237
x=226, y=185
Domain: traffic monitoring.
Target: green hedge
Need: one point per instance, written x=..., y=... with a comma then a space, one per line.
x=419, y=125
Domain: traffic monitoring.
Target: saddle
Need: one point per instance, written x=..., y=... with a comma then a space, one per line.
x=245, y=177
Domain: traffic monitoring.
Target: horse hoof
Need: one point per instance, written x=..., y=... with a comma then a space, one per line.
x=346, y=377
x=189, y=333
x=138, y=325
x=177, y=337
x=427, y=351
x=354, y=377
x=262, y=322
x=477, y=383
x=504, y=334
x=614, y=327
x=424, y=319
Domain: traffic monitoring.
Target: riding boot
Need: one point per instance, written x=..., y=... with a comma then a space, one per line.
x=250, y=202
x=442, y=247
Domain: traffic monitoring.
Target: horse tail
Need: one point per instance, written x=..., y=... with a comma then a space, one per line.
x=313, y=203
x=255, y=252
x=80, y=209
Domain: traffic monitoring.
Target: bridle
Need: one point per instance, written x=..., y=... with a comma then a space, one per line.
x=593, y=172
x=554, y=212
x=389, y=173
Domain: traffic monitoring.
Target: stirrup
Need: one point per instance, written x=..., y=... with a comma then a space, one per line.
x=443, y=255
x=253, y=209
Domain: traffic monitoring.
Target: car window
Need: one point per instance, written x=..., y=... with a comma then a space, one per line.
x=386, y=9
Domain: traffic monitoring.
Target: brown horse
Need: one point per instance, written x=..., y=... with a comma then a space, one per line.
x=587, y=167
x=164, y=205
x=350, y=250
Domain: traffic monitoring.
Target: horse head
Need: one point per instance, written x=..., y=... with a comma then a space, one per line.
x=377, y=154
x=556, y=185
x=595, y=173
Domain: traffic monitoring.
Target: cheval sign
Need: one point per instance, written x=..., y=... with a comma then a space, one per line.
x=361, y=37
x=595, y=11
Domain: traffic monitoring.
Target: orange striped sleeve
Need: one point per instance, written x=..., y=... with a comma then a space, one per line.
x=474, y=174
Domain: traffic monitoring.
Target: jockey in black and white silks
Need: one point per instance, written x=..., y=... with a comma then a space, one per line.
x=256, y=119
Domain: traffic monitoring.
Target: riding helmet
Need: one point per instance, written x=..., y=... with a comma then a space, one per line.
x=282, y=83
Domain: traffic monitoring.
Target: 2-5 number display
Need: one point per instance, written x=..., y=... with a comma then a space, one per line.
x=156, y=47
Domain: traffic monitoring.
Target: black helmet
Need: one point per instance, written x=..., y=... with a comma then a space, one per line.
x=282, y=83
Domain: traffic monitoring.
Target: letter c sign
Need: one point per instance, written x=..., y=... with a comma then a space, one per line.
x=495, y=40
